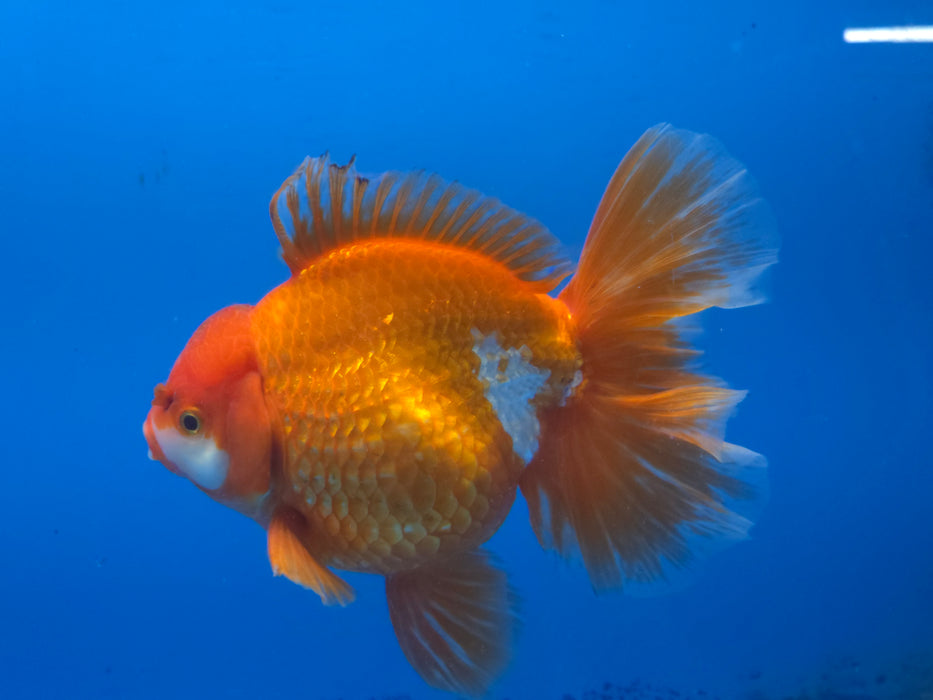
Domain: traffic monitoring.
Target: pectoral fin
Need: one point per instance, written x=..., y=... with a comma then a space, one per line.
x=290, y=558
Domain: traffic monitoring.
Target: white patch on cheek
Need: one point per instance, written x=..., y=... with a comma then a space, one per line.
x=511, y=382
x=198, y=458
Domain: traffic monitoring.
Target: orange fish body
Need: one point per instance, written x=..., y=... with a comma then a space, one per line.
x=378, y=411
x=394, y=451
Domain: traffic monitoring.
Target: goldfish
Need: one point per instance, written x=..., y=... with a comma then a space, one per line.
x=428, y=358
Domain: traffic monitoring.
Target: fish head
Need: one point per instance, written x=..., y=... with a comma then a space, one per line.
x=210, y=422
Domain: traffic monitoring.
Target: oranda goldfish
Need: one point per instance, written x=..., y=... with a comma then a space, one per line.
x=378, y=411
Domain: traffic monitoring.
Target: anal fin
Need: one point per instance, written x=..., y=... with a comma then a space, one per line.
x=454, y=621
x=290, y=558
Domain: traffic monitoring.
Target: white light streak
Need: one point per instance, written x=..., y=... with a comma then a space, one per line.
x=888, y=35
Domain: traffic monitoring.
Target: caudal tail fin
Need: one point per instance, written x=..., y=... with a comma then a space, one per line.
x=634, y=466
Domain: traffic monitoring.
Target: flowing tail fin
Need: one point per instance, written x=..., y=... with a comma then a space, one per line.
x=634, y=466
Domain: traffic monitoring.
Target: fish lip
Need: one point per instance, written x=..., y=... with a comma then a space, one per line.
x=155, y=451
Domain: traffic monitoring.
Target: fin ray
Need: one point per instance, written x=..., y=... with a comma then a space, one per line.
x=323, y=206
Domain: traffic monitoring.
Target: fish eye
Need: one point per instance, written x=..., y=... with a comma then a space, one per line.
x=190, y=422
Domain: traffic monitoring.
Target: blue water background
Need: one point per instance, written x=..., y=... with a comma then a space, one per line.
x=139, y=146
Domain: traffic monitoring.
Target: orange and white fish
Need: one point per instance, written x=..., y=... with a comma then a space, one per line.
x=378, y=411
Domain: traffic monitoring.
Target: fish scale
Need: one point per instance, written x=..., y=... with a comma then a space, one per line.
x=392, y=450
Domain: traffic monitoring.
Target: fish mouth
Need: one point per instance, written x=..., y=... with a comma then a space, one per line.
x=160, y=403
x=155, y=450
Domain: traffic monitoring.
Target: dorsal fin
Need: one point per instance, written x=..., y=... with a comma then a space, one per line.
x=324, y=206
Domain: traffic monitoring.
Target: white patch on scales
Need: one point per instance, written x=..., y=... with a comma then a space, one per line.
x=511, y=382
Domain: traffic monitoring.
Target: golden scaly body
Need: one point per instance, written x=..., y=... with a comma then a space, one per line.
x=392, y=450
